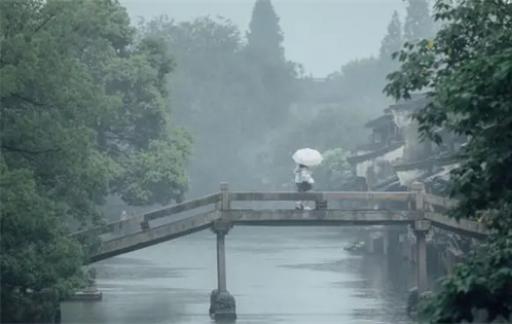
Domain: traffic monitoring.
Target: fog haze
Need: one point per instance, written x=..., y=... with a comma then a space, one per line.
x=264, y=161
x=320, y=35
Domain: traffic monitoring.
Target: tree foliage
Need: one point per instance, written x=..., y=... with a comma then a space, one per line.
x=265, y=38
x=335, y=173
x=467, y=73
x=38, y=260
x=393, y=40
x=230, y=95
x=418, y=21
x=84, y=115
x=479, y=290
x=273, y=82
x=210, y=86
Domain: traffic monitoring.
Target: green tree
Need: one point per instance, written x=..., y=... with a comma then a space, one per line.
x=392, y=42
x=84, y=115
x=39, y=263
x=418, y=22
x=272, y=79
x=467, y=73
x=215, y=82
x=335, y=173
x=211, y=85
x=265, y=38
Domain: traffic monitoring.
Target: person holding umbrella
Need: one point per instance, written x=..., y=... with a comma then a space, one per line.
x=305, y=158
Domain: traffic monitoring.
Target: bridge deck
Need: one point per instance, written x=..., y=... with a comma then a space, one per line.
x=118, y=241
x=287, y=217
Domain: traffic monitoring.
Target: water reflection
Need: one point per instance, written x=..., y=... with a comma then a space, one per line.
x=277, y=275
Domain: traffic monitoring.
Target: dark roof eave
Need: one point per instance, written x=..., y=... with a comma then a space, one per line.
x=413, y=104
x=380, y=122
x=386, y=182
x=426, y=163
x=364, y=157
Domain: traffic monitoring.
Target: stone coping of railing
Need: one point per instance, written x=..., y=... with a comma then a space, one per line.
x=371, y=197
x=461, y=226
x=440, y=201
x=321, y=196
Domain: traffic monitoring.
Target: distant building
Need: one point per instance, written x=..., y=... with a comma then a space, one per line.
x=374, y=161
x=395, y=157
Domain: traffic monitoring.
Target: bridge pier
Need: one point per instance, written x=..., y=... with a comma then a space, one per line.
x=421, y=228
x=222, y=303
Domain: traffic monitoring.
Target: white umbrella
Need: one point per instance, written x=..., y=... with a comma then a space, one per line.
x=307, y=157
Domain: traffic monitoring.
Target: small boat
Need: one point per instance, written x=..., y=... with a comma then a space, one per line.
x=357, y=247
x=87, y=294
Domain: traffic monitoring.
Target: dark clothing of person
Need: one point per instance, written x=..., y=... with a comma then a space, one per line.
x=304, y=186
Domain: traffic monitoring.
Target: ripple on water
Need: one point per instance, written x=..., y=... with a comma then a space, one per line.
x=121, y=268
x=347, y=264
x=329, y=286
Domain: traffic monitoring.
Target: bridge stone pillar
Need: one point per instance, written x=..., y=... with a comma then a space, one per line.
x=421, y=228
x=222, y=303
x=385, y=241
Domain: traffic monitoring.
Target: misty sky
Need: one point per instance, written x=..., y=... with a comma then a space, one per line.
x=320, y=34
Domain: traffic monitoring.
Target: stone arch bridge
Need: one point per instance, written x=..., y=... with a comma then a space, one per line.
x=418, y=209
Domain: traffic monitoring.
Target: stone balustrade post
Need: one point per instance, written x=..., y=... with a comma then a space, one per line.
x=419, y=189
x=222, y=303
x=225, y=202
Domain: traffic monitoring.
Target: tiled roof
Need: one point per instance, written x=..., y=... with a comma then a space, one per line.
x=370, y=155
x=381, y=121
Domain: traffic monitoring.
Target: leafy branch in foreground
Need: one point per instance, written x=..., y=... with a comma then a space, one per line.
x=466, y=70
x=83, y=101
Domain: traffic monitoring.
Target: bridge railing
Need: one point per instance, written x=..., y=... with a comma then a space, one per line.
x=144, y=219
x=415, y=200
x=435, y=210
x=442, y=202
x=182, y=207
x=431, y=207
x=320, y=198
x=370, y=200
x=323, y=196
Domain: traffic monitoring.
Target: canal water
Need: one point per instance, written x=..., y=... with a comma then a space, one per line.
x=276, y=274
